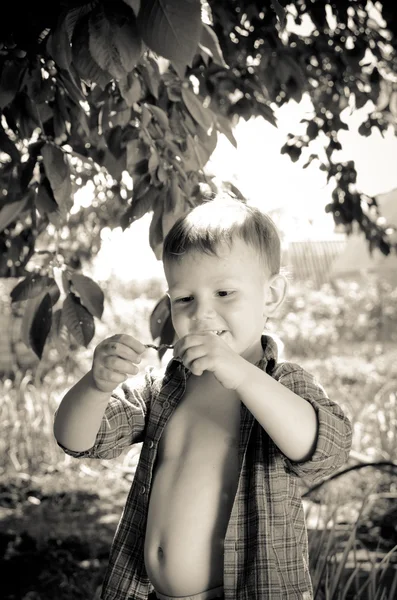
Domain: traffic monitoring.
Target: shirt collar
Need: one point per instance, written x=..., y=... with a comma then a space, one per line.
x=270, y=354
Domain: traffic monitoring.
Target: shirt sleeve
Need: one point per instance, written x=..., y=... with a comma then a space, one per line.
x=334, y=436
x=124, y=421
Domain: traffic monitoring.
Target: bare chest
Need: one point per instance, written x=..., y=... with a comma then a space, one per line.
x=207, y=419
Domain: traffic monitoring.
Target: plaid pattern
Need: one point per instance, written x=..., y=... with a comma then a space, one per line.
x=265, y=548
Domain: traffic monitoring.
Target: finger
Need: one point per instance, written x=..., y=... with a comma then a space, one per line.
x=120, y=365
x=113, y=348
x=188, y=341
x=129, y=341
x=101, y=373
x=198, y=366
x=193, y=354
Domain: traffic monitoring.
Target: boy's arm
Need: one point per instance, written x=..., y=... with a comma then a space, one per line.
x=80, y=414
x=118, y=421
x=310, y=430
x=289, y=420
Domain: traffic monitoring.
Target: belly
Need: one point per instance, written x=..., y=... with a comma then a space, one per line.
x=193, y=490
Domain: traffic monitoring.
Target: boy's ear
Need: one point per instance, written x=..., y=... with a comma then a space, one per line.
x=275, y=292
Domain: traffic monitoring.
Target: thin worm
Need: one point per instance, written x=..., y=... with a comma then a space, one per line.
x=161, y=347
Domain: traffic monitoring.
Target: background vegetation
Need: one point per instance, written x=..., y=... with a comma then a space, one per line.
x=58, y=515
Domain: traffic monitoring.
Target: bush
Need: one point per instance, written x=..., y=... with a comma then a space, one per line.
x=312, y=321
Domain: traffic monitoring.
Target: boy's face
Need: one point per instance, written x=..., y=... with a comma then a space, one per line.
x=224, y=294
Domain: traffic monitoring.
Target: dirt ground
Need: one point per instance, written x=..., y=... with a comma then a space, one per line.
x=56, y=531
x=54, y=544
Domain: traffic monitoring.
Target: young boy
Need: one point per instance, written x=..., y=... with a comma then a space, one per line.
x=214, y=510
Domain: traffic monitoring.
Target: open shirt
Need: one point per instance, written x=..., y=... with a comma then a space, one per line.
x=265, y=547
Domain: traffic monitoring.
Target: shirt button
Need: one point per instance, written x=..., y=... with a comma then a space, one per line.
x=166, y=404
x=151, y=444
x=143, y=489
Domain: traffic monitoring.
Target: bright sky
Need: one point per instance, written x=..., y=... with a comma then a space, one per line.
x=270, y=181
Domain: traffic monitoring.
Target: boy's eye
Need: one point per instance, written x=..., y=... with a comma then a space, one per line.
x=183, y=300
x=224, y=293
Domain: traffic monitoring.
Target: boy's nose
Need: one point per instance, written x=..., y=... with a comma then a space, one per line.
x=202, y=310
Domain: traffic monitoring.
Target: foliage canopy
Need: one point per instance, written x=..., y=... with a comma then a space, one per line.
x=92, y=90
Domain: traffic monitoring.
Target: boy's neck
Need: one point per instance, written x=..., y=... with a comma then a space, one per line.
x=254, y=353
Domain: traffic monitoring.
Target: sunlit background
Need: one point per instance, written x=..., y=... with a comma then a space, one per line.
x=294, y=196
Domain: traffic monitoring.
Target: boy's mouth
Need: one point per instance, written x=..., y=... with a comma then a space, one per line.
x=218, y=332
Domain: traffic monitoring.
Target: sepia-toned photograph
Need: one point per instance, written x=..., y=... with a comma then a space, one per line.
x=198, y=300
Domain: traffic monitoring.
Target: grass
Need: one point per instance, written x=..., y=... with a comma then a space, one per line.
x=58, y=515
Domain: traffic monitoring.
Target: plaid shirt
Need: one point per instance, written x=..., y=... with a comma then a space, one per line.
x=265, y=548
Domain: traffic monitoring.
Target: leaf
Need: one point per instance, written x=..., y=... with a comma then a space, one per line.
x=37, y=112
x=143, y=203
x=46, y=204
x=151, y=76
x=171, y=28
x=167, y=335
x=156, y=229
x=146, y=116
x=36, y=322
x=59, y=335
x=160, y=115
x=58, y=172
x=121, y=118
x=59, y=125
x=31, y=286
x=130, y=88
x=114, y=40
x=210, y=43
x=267, y=113
x=78, y=320
x=73, y=90
x=197, y=154
x=58, y=45
x=91, y=295
x=153, y=162
x=176, y=195
x=87, y=68
x=41, y=326
x=224, y=126
x=159, y=316
x=113, y=140
x=280, y=12
x=74, y=15
x=209, y=144
x=128, y=43
x=136, y=152
x=9, y=212
x=114, y=166
x=202, y=116
x=139, y=207
x=134, y=4
x=66, y=280
x=10, y=77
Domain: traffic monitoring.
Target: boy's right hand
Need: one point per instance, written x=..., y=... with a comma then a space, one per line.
x=114, y=359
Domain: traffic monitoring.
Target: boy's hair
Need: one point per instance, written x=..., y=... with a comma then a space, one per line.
x=219, y=221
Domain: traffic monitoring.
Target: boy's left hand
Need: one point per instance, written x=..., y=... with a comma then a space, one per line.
x=201, y=352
